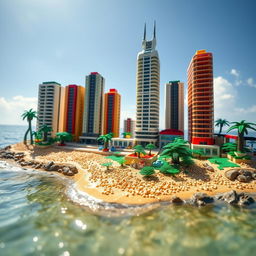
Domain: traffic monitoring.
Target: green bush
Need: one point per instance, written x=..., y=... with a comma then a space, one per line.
x=168, y=169
x=147, y=171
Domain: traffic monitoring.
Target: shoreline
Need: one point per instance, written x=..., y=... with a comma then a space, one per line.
x=106, y=186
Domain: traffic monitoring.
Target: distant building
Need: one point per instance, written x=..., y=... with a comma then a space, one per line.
x=174, y=105
x=50, y=102
x=168, y=136
x=74, y=109
x=112, y=105
x=129, y=126
x=200, y=99
x=147, y=101
x=93, y=108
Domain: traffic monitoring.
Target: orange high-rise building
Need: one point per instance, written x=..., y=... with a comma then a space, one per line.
x=200, y=99
x=112, y=104
x=73, y=110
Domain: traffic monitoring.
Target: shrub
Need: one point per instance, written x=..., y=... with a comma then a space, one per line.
x=147, y=171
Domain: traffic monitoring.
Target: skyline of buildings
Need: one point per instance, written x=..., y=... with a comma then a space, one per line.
x=88, y=112
x=147, y=92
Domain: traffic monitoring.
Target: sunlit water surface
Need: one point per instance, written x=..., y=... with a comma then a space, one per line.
x=37, y=218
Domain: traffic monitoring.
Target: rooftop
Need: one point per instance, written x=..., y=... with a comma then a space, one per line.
x=51, y=82
x=171, y=132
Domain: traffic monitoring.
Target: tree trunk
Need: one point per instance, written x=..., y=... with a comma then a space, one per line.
x=240, y=142
x=176, y=160
x=45, y=136
x=220, y=129
x=149, y=152
x=25, y=137
x=30, y=130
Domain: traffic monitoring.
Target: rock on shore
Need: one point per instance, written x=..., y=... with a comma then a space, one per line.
x=50, y=166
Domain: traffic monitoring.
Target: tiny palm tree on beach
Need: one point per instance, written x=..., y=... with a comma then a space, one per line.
x=138, y=149
x=242, y=128
x=107, y=165
x=221, y=123
x=62, y=137
x=105, y=138
x=177, y=151
x=150, y=147
x=121, y=161
x=38, y=135
x=45, y=129
x=29, y=115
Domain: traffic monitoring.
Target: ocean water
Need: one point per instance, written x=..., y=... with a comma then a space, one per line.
x=37, y=217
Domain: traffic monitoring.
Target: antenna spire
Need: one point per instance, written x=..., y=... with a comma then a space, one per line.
x=154, y=29
x=144, y=38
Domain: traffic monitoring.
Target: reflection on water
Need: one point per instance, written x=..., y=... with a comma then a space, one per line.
x=37, y=218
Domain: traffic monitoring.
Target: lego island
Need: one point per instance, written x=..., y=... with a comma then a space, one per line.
x=78, y=130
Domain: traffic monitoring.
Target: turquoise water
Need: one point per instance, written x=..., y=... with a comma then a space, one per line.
x=38, y=218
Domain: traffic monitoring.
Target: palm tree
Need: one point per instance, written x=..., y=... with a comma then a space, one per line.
x=29, y=115
x=242, y=128
x=177, y=150
x=105, y=138
x=221, y=122
x=63, y=136
x=45, y=129
x=37, y=134
x=107, y=165
x=138, y=149
x=150, y=147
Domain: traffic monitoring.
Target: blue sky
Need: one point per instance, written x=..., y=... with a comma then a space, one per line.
x=64, y=40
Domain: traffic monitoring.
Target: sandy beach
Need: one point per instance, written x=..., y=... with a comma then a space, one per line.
x=126, y=185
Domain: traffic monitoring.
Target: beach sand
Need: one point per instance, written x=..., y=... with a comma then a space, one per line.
x=125, y=184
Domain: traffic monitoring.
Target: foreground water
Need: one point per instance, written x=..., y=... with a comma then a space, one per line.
x=37, y=218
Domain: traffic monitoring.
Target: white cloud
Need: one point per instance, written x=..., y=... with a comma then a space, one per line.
x=250, y=82
x=11, y=109
x=249, y=110
x=234, y=72
x=226, y=98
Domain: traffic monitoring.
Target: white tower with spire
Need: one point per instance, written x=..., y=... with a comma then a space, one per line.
x=147, y=92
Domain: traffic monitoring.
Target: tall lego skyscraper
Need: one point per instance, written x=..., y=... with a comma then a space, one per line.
x=50, y=102
x=147, y=96
x=74, y=109
x=93, y=108
x=201, y=99
x=112, y=105
x=174, y=105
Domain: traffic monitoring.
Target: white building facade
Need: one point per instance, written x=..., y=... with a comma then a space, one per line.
x=50, y=95
x=147, y=92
